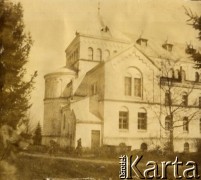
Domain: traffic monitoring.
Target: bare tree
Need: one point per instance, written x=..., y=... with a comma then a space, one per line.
x=175, y=110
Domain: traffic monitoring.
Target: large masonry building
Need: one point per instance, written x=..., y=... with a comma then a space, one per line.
x=115, y=90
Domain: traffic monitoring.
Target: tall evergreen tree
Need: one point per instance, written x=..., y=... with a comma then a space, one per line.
x=15, y=46
x=37, y=135
x=195, y=21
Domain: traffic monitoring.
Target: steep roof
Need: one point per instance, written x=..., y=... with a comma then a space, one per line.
x=98, y=28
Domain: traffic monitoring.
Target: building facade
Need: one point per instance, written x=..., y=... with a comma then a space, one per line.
x=116, y=90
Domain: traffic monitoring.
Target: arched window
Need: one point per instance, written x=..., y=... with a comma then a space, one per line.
x=177, y=74
x=186, y=147
x=185, y=124
x=184, y=99
x=127, y=84
x=99, y=54
x=171, y=73
x=90, y=53
x=123, y=118
x=68, y=129
x=199, y=102
x=197, y=77
x=133, y=82
x=142, y=119
x=64, y=122
x=200, y=125
x=167, y=123
x=143, y=147
x=183, y=75
x=107, y=54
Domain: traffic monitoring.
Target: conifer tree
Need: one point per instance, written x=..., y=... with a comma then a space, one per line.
x=195, y=21
x=15, y=46
x=37, y=135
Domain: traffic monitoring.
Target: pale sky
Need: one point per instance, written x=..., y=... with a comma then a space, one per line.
x=52, y=24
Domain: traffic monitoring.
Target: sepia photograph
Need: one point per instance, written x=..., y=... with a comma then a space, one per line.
x=100, y=89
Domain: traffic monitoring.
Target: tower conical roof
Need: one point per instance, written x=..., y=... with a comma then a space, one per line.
x=97, y=26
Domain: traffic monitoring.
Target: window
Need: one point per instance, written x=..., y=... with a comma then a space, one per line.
x=137, y=87
x=183, y=75
x=107, y=54
x=143, y=147
x=99, y=55
x=185, y=124
x=185, y=99
x=133, y=83
x=128, y=86
x=123, y=118
x=186, y=147
x=90, y=53
x=94, y=89
x=68, y=129
x=167, y=123
x=142, y=119
x=64, y=122
x=200, y=125
x=167, y=98
x=171, y=73
x=199, y=102
x=177, y=74
x=197, y=77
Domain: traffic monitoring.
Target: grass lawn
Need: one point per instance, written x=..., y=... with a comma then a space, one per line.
x=31, y=168
x=35, y=167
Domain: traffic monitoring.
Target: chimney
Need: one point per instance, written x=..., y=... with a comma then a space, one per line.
x=142, y=41
x=167, y=46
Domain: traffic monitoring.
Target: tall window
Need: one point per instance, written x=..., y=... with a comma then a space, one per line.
x=142, y=119
x=183, y=75
x=184, y=99
x=94, y=88
x=200, y=125
x=197, y=77
x=64, y=122
x=167, y=123
x=107, y=54
x=171, y=73
x=199, y=102
x=90, y=53
x=123, y=118
x=128, y=86
x=185, y=124
x=99, y=54
x=137, y=87
x=177, y=74
x=133, y=83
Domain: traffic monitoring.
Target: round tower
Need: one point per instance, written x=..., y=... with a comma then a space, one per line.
x=55, y=98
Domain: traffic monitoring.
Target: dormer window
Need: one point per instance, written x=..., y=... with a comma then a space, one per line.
x=168, y=46
x=142, y=41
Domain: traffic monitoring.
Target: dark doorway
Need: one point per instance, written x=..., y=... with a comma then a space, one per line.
x=95, y=139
